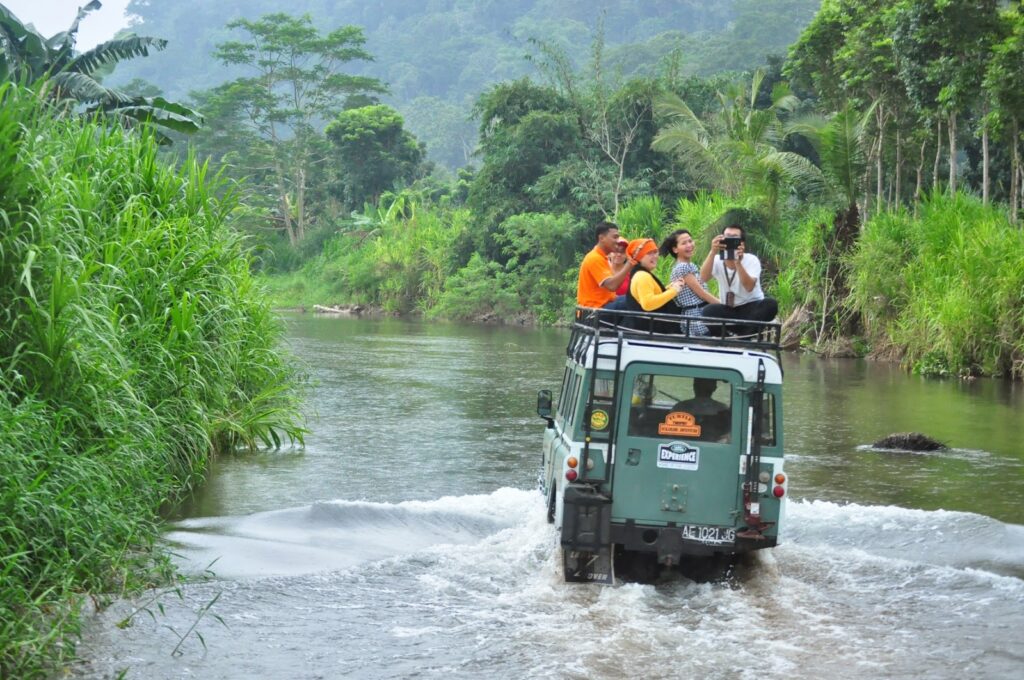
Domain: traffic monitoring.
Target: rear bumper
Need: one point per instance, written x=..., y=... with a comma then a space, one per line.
x=672, y=543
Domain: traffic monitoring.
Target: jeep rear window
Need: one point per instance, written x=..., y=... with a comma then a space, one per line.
x=680, y=407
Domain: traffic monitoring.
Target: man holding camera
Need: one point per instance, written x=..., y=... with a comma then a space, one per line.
x=739, y=281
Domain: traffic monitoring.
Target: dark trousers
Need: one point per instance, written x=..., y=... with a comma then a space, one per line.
x=759, y=310
x=618, y=303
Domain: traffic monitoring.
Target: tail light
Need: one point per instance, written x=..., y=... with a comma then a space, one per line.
x=571, y=476
x=778, y=491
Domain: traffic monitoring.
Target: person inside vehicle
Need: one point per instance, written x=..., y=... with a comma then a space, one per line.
x=602, y=271
x=713, y=416
x=739, y=281
x=694, y=295
x=646, y=292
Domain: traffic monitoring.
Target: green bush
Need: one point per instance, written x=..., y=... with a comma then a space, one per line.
x=945, y=287
x=643, y=216
x=480, y=289
x=134, y=344
x=395, y=257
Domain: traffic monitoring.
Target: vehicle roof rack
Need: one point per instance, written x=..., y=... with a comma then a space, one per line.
x=592, y=323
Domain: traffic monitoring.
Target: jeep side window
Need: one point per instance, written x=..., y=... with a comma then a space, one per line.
x=574, y=397
x=680, y=407
x=604, y=388
x=563, y=404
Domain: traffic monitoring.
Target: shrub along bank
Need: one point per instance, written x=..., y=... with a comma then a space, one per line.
x=134, y=344
x=944, y=289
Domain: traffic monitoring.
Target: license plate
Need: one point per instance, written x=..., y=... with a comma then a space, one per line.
x=708, y=535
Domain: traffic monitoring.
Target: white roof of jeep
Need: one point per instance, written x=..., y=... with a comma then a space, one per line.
x=685, y=354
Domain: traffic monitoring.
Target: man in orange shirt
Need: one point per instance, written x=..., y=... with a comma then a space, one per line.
x=598, y=281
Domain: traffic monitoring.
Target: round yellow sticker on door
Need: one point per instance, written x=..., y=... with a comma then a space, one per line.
x=598, y=420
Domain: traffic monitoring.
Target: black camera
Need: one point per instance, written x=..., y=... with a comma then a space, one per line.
x=731, y=243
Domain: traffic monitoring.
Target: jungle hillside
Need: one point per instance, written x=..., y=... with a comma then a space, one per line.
x=856, y=141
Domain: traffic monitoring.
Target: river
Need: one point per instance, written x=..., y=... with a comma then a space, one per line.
x=407, y=538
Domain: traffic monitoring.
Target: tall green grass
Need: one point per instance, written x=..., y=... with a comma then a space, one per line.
x=944, y=289
x=133, y=345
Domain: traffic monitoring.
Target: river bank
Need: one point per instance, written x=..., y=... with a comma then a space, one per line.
x=135, y=345
x=920, y=286
x=792, y=329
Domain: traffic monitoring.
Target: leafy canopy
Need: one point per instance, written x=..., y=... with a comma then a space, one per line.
x=71, y=79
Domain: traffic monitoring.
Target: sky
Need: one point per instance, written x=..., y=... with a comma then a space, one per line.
x=54, y=16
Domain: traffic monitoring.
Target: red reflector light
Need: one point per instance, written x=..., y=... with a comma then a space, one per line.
x=778, y=491
x=570, y=475
x=572, y=462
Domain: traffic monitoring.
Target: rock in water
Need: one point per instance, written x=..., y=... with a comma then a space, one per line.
x=909, y=441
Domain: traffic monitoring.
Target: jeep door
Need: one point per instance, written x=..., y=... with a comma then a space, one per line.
x=677, y=446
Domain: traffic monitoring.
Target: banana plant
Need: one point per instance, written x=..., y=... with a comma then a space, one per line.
x=69, y=78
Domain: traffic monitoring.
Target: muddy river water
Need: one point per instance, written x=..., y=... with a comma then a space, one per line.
x=408, y=539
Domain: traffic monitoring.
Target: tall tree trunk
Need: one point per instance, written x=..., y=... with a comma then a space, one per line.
x=300, y=206
x=919, y=187
x=867, y=199
x=878, y=179
x=984, y=165
x=1020, y=191
x=938, y=152
x=899, y=166
x=984, y=157
x=1015, y=168
x=286, y=206
x=952, y=152
x=880, y=120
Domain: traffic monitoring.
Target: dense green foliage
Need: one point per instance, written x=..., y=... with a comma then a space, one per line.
x=71, y=79
x=938, y=76
x=437, y=57
x=963, y=310
x=134, y=344
x=267, y=123
x=373, y=152
x=806, y=170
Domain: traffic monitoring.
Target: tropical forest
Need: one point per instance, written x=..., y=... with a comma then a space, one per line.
x=164, y=194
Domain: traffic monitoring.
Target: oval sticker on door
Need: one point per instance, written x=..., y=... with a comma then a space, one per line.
x=598, y=420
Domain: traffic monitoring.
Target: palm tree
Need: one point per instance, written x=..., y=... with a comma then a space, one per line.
x=839, y=141
x=69, y=79
x=740, y=153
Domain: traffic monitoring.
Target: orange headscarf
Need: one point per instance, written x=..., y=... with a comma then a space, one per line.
x=639, y=247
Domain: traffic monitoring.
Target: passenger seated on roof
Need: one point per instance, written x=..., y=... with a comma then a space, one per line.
x=646, y=292
x=739, y=282
x=693, y=296
x=714, y=417
x=603, y=270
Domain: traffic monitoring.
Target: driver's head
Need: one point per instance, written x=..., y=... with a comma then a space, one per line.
x=704, y=387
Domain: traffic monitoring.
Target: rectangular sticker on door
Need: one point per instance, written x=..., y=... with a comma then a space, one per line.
x=678, y=456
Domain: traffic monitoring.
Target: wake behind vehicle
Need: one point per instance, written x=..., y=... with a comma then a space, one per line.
x=665, y=447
